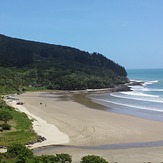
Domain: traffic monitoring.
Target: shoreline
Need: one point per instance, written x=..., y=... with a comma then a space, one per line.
x=132, y=155
x=118, y=88
x=67, y=114
x=40, y=126
x=91, y=127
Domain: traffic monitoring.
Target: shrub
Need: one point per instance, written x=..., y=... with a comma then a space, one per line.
x=5, y=116
x=19, y=151
x=92, y=159
x=45, y=159
x=64, y=158
x=59, y=158
x=5, y=126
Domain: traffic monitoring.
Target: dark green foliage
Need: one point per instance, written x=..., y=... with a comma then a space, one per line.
x=59, y=158
x=5, y=126
x=14, y=52
x=10, y=80
x=54, y=67
x=5, y=116
x=72, y=82
x=19, y=151
x=63, y=158
x=22, y=154
x=92, y=159
x=1, y=103
x=44, y=159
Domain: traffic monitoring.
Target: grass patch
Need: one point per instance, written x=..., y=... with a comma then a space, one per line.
x=22, y=121
x=16, y=137
x=21, y=129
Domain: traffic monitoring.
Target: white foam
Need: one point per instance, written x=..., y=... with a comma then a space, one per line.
x=152, y=90
x=137, y=88
x=132, y=106
x=145, y=89
x=136, y=80
x=145, y=82
x=150, y=82
x=134, y=93
x=155, y=98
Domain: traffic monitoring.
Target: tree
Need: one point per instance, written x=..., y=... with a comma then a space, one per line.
x=5, y=116
x=27, y=63
x=92, y=159
x=64, y=158
x=19, y=151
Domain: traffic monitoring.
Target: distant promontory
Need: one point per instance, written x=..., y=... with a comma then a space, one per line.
x=25, y=64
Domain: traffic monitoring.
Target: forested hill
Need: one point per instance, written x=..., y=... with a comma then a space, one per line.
x=57, y=67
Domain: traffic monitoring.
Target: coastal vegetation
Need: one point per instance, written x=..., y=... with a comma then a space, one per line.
x=5, y=116
x=93, y=159
x=16, y=126
x=29, y=64
x=18, y=153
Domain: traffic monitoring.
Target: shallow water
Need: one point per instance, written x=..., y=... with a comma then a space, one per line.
x=102, y=147
x=144, y=101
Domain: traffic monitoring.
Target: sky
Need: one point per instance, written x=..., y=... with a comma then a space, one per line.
x=129, y=32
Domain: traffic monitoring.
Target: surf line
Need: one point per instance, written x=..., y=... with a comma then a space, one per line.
x=127, y=105
x=135, y=98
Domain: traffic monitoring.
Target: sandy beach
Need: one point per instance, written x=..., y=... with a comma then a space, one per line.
x=49, y=131
x=77, y=125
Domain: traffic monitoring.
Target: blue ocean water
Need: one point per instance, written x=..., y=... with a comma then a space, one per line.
x=144, y=101
x=153, y=79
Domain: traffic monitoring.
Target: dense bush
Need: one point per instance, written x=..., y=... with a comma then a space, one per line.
x=5, y=116
x=92, y=159
x=19, y=151
x=44, y=159
x=58, y=158
x=63, y=158
x=20, y=53
x=5, y=126
x=21, y=154
x=35, y=64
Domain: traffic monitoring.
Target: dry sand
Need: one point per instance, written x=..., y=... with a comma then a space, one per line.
x=89, y=127
x=52, y=134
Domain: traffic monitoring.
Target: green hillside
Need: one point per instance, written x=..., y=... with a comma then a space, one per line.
x=28, y=63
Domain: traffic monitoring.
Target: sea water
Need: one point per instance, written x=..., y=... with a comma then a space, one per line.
x=144, y=100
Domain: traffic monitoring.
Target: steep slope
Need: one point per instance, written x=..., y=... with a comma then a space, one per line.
x=58, y=67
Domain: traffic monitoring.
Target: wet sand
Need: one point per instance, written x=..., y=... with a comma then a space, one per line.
x=133, y=155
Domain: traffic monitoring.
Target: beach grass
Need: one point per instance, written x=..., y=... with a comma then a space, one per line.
x=21, y=129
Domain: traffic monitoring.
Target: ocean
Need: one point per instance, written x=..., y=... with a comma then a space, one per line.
x=145, y=101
